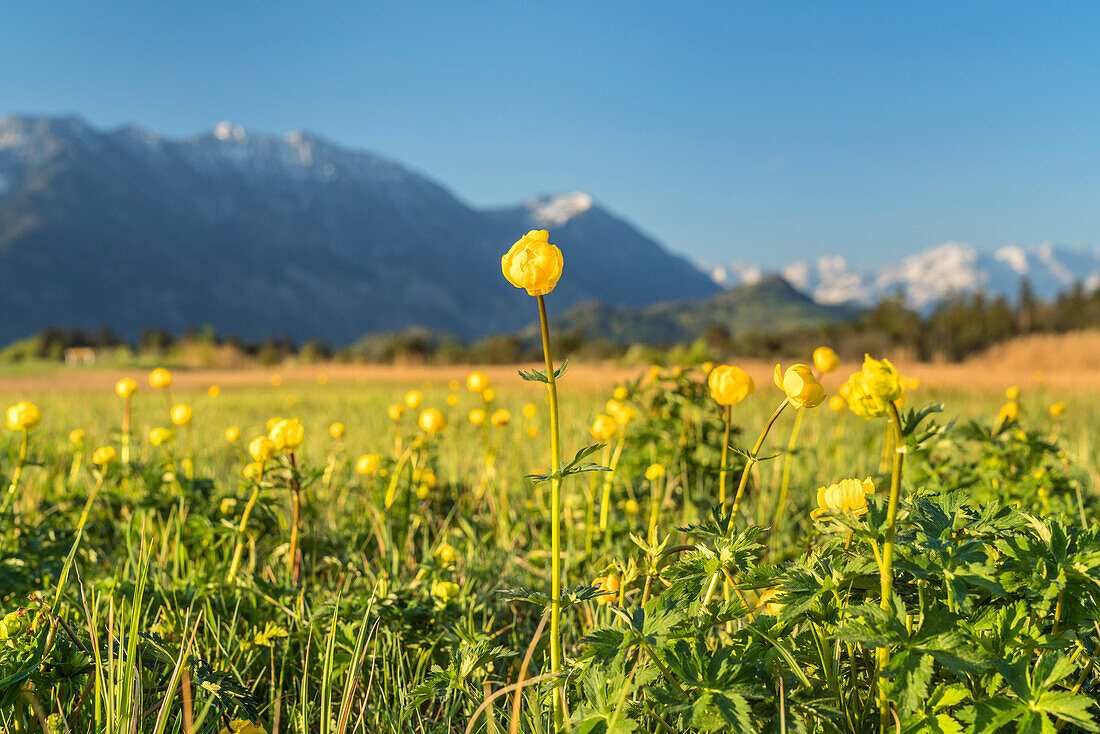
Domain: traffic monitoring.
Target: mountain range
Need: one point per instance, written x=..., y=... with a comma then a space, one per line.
x=926, y=278
x=259, y=236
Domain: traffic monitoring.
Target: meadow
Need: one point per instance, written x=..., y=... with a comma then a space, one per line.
x=414, y=598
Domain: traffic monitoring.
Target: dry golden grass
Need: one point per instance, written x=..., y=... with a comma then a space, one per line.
x=1061, y=361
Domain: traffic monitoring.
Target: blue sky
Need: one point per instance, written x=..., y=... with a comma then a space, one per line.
x=765, y=132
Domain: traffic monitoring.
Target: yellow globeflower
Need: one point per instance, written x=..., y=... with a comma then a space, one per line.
x=532, y=431
x=454, y=385
x=413, y=399
x=837, y=404
x=604, y=428
x=262, y=448
x=801, y=387
x=631, y=507
x=608, y=586
x=367, y=464
x=488, y=394
x=500, y=417
x=445, y=591
x=396, y=412
x=243, y=726
x=232, y=434
x=530, y=410
x=620, y=393
x=252, y=470
x=23, y=416
x=431, y=421
x=477, y=382
x=1057, y=409
x=1013, y=393
x=654, y=472
x=336, y=430
x=76, y=436
x=126, y=387
x=825, y=360
x=276, y=380
x=287, y=434
x=452, y=400
x=104, y=455
x=533, y=263
x=213, y=391
x=707, y=367
x=912, y=383
x=624, y=415
x=160, y=436
x=160, y=378
x=880, y=379
x=181, y=414
x=729, y=385
x=1009, y=413
x=446, y=554
x=847, y=495
x=478, y=416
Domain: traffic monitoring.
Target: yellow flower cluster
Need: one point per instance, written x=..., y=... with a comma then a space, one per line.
x=870, y=391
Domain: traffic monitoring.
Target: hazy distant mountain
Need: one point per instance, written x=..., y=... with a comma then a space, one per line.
x=770, y=305
x=259, y=236
x=930, y=276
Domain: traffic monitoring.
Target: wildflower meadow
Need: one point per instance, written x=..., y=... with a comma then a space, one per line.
x=827, y=548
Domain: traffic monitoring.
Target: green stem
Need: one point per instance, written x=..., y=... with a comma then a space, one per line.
x=741, y=491
x=126, y=409
x=785, y=484
x=239, y=547
x=725, y=455
x=605, y=504
x=18, y=472
x=555, y=518
x=886, y=575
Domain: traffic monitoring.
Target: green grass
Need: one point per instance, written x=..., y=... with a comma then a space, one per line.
x=148, y=635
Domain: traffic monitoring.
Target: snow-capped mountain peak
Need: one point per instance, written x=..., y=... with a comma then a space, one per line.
x=554, y=211
x=929, y=277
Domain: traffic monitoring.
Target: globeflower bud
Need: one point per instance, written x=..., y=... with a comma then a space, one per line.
x=825, y=360
x=396, y=412
x=287, y=434
x=23, y=416
x=232, y=434
x=477, y=382
x=181, y=414
x=431, y=421
x=160, y=436
x=533, y=263
x=801, y=387
x=500, y=418
x=1057, y=409
x=1009, y=413
x=847, y=495
x=126, y=387
x=445, y=591
x=262, y=448
x=654, y=472
x=608, y=586
x=837, y=404
x=604, y=428
x=160, y=378
x=413, y=398
x=104, y=455
x=76, y=437
x=729, y=385
x=530, y=410
x=446, y=554
x=478, y=417
x=336, y=430
x=367, y=464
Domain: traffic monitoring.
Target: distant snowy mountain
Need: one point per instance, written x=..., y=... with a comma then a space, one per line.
x=929, y=277
x=260, y=235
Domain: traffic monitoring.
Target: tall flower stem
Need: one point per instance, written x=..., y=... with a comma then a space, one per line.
x=713, y=584
x=785, y=484
x=605, y=503
x=886, y=572
x=17, y=473
x=127, y=406
x=239, y=547
x=555, y=518
x=296, y=520
x=725, y=456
